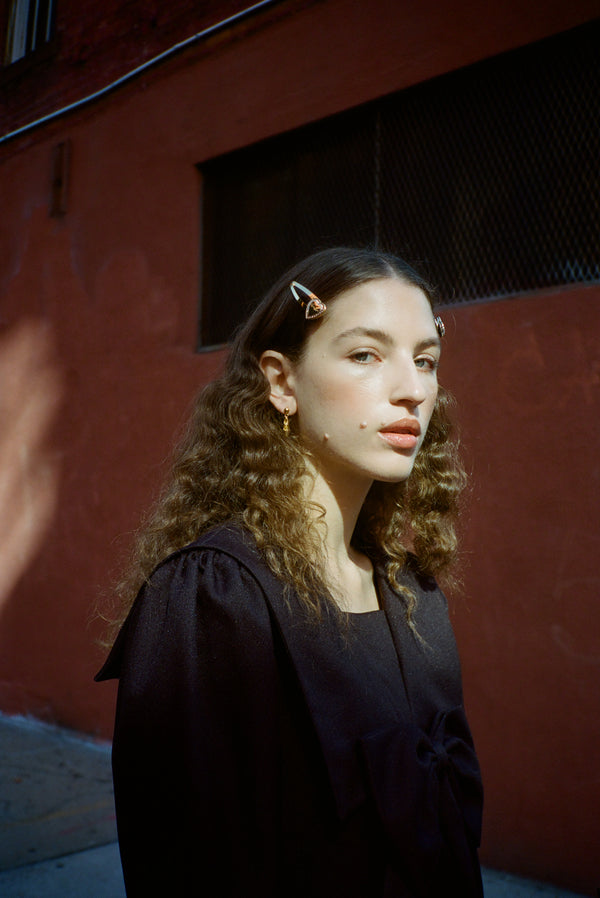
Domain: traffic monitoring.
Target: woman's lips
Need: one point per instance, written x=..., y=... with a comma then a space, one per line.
x=399, y=440
x=403, y=434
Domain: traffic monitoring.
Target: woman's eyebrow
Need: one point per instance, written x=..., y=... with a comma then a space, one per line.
x=385, y=338
x=430, y=342
x=373, y=333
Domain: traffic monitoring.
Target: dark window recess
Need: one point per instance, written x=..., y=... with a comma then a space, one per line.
x=486, y=178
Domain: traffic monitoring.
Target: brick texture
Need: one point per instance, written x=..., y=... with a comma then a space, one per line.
x=94, y=45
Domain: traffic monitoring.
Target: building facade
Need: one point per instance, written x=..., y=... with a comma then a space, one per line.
x=110, y=249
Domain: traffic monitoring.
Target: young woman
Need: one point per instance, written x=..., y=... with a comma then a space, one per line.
x=289, y=720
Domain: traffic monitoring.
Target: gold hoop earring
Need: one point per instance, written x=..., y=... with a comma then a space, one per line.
x=286, y=421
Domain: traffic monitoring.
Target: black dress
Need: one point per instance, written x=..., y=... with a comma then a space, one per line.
x=258, y=754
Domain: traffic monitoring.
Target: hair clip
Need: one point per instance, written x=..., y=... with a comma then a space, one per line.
x=314, y=308
x=439, y=326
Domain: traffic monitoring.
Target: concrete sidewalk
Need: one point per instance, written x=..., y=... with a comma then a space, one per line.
x=57, y=825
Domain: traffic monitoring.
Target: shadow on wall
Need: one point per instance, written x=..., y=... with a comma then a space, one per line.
x=97, y=369
x=31, y=390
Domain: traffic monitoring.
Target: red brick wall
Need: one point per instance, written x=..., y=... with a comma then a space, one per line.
x=97, y=368
x=97, y=43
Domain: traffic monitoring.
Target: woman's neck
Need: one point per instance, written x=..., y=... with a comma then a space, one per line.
x=349, y=572
x=342, y=502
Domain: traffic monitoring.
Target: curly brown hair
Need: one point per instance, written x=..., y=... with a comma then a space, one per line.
x=235, y=464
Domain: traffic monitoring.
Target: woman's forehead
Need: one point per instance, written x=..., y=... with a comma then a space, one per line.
x=384, y=304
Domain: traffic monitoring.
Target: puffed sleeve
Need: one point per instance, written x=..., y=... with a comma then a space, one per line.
x=195, y=746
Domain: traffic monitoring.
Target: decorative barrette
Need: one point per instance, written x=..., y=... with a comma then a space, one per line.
x=313, y=308
x=439, y=326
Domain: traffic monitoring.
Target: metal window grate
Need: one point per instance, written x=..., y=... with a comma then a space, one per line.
x=487, y=178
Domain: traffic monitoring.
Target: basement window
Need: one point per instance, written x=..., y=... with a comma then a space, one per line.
x=486, y=178
x=30, y=26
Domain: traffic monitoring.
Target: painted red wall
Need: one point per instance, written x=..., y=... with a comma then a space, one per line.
x=526, y=372
x=97, y=369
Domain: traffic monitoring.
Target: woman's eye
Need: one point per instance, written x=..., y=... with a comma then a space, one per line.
x=427, y=362
x=363, y=356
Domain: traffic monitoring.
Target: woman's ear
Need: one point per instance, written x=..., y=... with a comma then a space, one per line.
x=277, y=368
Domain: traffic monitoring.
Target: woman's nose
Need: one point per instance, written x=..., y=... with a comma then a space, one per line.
x=408, y=385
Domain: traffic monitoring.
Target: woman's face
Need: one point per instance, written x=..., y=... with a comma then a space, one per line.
x=366, y=385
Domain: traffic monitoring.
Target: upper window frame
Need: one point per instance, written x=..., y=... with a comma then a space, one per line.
x=29, y=28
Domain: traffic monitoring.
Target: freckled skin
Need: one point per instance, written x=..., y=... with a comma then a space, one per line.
x=372, y=359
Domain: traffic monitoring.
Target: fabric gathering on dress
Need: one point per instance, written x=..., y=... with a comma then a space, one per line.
x=258, y=753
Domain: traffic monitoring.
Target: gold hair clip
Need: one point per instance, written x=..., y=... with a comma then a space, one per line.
x=314, y=308
x=439, y=326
